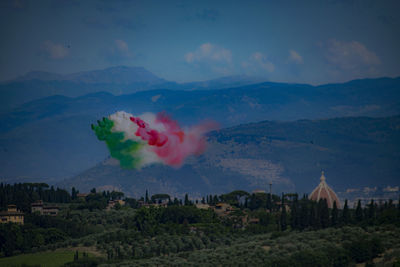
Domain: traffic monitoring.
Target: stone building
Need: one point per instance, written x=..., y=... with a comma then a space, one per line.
x=12, y=215
x=111, y=204
x=44, y=210
x=323, y=191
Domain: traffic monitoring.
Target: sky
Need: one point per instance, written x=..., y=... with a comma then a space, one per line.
x=314, y=42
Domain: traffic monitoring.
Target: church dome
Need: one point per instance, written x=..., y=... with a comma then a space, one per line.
x=323, y=191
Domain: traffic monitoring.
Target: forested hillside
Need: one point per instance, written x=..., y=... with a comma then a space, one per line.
x=353, y=152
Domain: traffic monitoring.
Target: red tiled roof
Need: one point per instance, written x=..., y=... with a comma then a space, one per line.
x=323, y=191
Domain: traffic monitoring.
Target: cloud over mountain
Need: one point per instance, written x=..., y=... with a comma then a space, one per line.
x=295, y=57
x=351, y=57
x=54, y=50
x=258, y=63
x=219, y=59
x=118, y=52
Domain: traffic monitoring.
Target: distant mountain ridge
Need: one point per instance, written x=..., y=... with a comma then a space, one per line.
x=112, y=75
x=116, y=80
x=50, y=138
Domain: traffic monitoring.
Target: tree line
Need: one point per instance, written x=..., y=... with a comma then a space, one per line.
x=24, y=194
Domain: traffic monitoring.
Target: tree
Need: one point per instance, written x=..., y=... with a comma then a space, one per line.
x=371, y=211
x=283, y=220
x=116, y=195
x=359, y=212
x=74, y=193
x=76, y=256
x=233, y=198
x=323, y=212
x=346, y=213
x=215, y=200
x=147, y=197
x=314, y=219
x=187, y=201
x=334, y=218
x=294, y=218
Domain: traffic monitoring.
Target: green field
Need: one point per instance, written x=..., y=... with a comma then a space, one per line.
x=45, y=259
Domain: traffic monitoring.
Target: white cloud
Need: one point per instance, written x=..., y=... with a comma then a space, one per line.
x=54, y=51
x=118, y=52
x=122, y=47
x=258, y=63
x=216, y=58
x=351, y=57
x=209, y=52
x=295, y=57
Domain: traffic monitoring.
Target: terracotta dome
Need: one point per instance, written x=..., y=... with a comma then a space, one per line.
x=323, y=191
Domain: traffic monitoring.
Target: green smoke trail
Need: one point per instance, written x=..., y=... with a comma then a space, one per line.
x=119, y=149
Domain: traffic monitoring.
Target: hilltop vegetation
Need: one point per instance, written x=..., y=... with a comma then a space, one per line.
x=330, y=247
x=250, y=230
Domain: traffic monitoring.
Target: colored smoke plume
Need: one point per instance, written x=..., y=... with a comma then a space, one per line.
x=150, y=138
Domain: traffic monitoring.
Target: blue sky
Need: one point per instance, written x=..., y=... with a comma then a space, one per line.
x=288, y=41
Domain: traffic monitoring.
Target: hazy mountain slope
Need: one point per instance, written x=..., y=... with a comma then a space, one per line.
x=116, y=80
x=353, y=152
x=24, y=132
x=112, y=75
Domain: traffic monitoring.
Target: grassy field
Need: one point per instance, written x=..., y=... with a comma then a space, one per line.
x=45, y=259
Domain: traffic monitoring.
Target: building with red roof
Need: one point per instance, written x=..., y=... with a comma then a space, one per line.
x=323, y=191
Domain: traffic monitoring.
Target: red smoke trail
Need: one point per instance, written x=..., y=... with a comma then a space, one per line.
x=173, y=145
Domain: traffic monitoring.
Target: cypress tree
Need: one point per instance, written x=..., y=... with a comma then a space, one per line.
x=346, y=214
x=398, y=206
x=294, y=218
x=371, y=211
x=283, y=220
x=304, y=216
x=215, y=199
x=73, y=193
x=323, y=211
x=398, y=209
x=391, y=205
x=147, y=197
x=334, y=219
x=314, y=220
x=187, y=202
x=359, y=212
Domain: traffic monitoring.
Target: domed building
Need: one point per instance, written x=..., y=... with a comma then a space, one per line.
x=323, y=191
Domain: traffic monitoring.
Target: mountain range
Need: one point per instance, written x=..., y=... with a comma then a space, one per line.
x=115, y=80
x=353, y=152
x=49, y=138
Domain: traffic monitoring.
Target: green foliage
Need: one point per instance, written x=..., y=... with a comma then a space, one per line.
x=49, y=258
x=328, y=247
x=234, y=197
x=359, y=212
x=346, y=214
x=159, y=197
x=364, y=249
x=157, y=235
x=24, y=194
